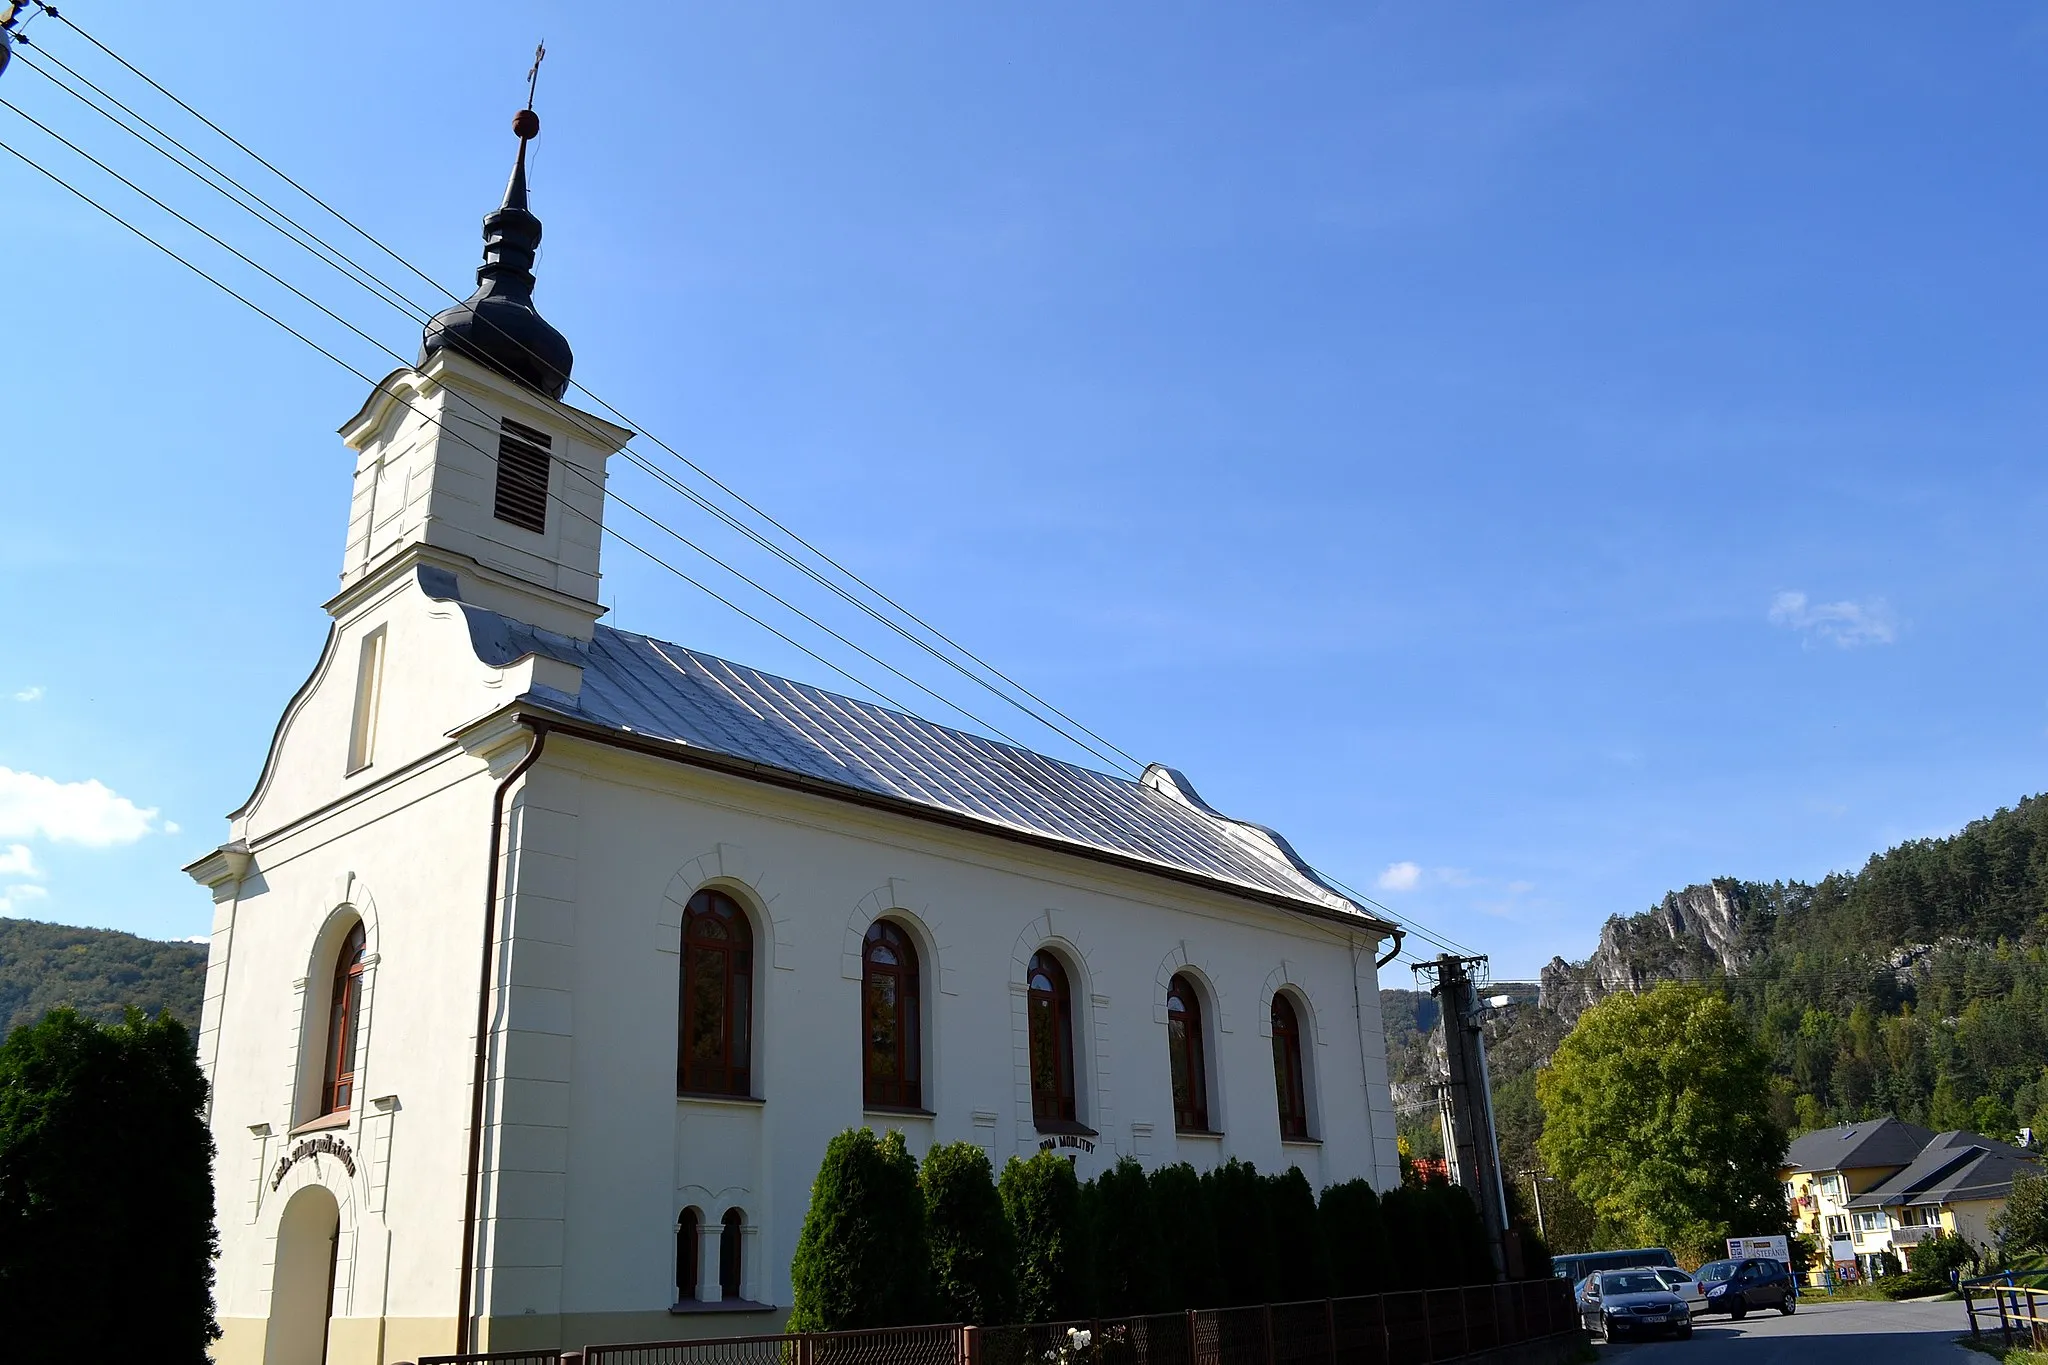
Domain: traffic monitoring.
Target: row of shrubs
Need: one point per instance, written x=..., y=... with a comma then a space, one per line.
x=888, y=1242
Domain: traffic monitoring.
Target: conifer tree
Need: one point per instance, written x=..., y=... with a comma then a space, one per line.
x=973, y=1251
x=1187, y=1239
x=1244, y=1223
x=1123, y=1241
x=1043, y=1202
x=1355, y=1238
x=1298, y=1234
x=106, y=1192
x=861, y=1259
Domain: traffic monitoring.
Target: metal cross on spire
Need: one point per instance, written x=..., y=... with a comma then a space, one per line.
x=540, y=54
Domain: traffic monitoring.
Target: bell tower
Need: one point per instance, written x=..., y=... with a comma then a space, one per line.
x=472, y=462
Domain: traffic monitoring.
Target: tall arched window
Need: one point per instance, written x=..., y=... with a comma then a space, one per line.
x=892, y=1029
x=344, y=1011
x=1287, y=1077
x=1185, y=1051
x=715, y=1022
x=689, y=1244
x=1050, y=1009
x=730, y=1253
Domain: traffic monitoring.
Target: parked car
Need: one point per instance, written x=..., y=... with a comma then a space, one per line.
x=1619, y=1303
x=1734, y=1287
x=1686, y=1287
x=1576, y=1266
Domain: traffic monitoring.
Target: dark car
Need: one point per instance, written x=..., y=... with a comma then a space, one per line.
x=1735, y=1287
x=1621, y=1303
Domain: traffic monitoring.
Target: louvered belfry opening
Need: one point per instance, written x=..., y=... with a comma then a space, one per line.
x=522, y=498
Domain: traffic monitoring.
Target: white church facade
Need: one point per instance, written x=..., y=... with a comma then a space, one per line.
x=547, y=957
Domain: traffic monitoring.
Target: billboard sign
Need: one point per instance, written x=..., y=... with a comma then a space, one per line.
x=1773, y=1247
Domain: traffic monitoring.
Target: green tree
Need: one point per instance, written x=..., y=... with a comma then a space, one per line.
x=861, y=1259
x=1656, y=1109
x=1042, y=1199
x=1187, y=1239
x=106, y=1192
x=1123, y=1241
x=1355, y=1238
x=973, y=1252
x=2022, y=1229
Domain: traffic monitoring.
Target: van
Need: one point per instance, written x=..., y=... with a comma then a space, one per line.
x=1578, y=1265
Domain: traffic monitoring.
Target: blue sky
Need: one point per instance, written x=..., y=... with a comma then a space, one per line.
x=1535, y=456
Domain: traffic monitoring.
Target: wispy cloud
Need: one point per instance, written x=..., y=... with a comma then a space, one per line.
x=1842, y=624
x=1401, y=876
x=18, y=860
x=36, y=807
x=28, y=694
x=15, y=898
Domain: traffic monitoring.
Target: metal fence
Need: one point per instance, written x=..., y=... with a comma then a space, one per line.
x=1415, y=1327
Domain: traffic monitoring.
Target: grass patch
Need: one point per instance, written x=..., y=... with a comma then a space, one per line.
x=2018, y=1355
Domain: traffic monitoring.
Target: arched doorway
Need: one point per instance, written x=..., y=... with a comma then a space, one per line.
x=302, y=1280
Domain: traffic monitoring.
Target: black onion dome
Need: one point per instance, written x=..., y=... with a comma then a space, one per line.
x=497, y=325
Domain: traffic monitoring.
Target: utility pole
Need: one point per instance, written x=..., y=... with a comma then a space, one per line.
x=1469, y=1141
x=1536, y=1188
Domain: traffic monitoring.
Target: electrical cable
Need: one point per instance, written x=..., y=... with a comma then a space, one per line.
x=685, y=460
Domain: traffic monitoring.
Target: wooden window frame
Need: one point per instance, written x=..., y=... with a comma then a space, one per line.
x=689, y=1252
x=1188, y=1064
x=344, y=1014
x=905, y=1090
x=731, y=1073
x=1054, y=1091
x=1290, y=1083
x=732, y=1255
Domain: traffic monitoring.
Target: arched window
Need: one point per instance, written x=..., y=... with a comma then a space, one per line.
x=1185, y=1049
x=729, y=1252
x=715, y=1021
x=1287, y=1077
x=892, y=1029
x=689, y=1243
x=1050, y=1009
x=344, y=1011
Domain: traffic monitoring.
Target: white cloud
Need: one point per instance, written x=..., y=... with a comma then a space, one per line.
x=173, y=827
x=15, y=898
x=37, y=807
x=1843, y=624
x=1400, y=877
x=29, y=694
x=18, y=860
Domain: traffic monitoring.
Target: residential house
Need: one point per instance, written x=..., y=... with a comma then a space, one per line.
x=1826, y=1170
x=1957, y=1184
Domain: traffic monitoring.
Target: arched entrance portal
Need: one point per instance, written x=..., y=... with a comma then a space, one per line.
x=302, y=1280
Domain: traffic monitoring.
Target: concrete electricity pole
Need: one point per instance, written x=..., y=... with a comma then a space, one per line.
x=1469, y=1142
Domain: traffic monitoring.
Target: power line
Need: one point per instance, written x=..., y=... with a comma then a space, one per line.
x=876, y=593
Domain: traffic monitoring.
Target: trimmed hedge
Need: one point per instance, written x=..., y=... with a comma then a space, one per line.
x=1043, y=1201
x=1124, y=1241
x=1355, y=1238
x=1244, y=1234
x=1298, y=1234
x=1188, y=1259
x=862, y=1258
x=973, y=1251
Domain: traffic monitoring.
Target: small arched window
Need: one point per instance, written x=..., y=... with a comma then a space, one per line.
x=689, y=1245
x=730, y=1252
x=892, y=1029
x=1287, y=1077
x=1050, y=1009
x=344, y=1012
x=1186, y=1053
x=715, y=1023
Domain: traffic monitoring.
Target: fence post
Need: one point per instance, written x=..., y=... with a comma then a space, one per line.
x=1191, y=1338
x=1266, y=1317
x=970, y=1345
x=1428, y=1329
x=571, y=1358
x=2034, y=1320
x=2004, y=1323
x=1330, y=1327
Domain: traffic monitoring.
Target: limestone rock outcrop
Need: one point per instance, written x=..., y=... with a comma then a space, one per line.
x=1692, y=932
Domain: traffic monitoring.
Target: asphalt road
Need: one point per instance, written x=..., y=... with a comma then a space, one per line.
x=1820, y=1333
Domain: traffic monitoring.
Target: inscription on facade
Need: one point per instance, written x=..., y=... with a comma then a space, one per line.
x=1074, y=1140
x=324, y=1145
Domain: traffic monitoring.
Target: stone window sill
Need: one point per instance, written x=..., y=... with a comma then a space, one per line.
x=689, y=1307
x=898, y=1111
x=711, y=1097
x=1198, y=1132
x=338, y=1119
x=1301, y=1142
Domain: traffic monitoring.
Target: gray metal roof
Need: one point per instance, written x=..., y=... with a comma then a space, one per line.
x=1856, y=1146
x=653, y=690
x=1954, y=1166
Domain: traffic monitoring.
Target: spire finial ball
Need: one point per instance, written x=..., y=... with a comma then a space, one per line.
x=526, y=124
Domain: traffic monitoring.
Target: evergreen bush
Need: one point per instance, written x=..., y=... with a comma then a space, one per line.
x=1186, y=1228
x=106, y=1192
x=1123, y=1241
x=1298, y=1233
x=973, y=1252
x=1471, y=1255
x=1419, y=1227
x=1042, y=1200
x=1355, y=1238
x=861, y=1259
x=1244, y=1223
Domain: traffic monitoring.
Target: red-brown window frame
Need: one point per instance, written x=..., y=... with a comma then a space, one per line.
x=1052, y=1083
x=731, y=1071
x=1188, y=1063
x=344, y=1012
x=1288, y=1081
x=905, y=1088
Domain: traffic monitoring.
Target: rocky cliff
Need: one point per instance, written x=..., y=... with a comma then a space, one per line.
x=1691, y=932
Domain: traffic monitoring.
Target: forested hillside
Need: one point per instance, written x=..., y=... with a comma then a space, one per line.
x=1917, y=986
x=96, y=971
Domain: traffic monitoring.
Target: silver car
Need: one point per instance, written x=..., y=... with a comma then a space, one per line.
x=1621, y=1303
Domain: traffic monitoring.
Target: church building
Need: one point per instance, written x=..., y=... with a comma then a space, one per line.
x=546, y=957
